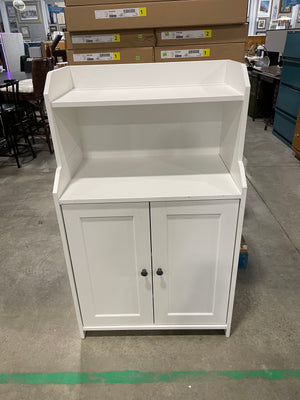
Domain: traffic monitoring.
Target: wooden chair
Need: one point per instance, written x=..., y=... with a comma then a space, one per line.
x=40, y=68
x=14, y=122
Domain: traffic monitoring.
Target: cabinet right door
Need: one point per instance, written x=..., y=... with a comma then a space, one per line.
x=192, y=251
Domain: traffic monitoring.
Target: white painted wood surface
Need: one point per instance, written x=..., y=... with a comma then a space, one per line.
x=154, y=75
x=110, y=246
x=193, y=243
x=137, y=96
x=148, y=178
x=150, y=128
x=236, y=254
x=129, y=135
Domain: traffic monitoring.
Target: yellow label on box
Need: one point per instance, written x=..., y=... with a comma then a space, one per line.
x=207, y=33
x=143, y=11
x=206, y=52
x=117, y=56
x=116, y=37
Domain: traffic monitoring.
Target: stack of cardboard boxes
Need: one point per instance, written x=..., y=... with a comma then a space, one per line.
x=100, y=32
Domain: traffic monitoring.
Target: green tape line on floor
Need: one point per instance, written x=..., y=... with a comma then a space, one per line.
x=137, y=377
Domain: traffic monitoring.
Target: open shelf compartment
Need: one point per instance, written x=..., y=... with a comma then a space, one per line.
x=149, y=178
x=132, y=133
x=157, y=83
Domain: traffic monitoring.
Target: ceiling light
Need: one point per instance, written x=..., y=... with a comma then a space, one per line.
x=19, y=5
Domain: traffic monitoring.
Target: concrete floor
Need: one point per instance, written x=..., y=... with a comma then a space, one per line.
x=38, y=329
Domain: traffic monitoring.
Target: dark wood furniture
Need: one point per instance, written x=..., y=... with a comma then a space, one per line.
x=296, y=140
x=15, y=123
x=40, y=68
x=264, y=89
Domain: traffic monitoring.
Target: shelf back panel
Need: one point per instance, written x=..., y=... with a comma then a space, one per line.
x=150, y=128
x=149, y=75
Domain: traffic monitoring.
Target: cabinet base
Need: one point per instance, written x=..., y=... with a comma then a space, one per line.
x=154, y=328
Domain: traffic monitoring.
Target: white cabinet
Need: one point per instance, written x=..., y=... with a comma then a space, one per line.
x=192, y=247
x=150, y=190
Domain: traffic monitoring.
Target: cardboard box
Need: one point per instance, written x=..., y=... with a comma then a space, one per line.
x=103, y=39
x=202, y=34
x=155, y=14
x=113, y=55
x=232, y=51
x=97, y=2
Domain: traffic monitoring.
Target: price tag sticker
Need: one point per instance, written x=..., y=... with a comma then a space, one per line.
x=116, y=37
x=208, y=33
x=117, y=56
x=142, y=11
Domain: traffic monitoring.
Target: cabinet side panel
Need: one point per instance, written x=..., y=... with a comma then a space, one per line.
x=236, y=260
x=65, y=136
x=57, y=83
x=234, y=122
x=68, y=142
x=68, y=263
x=236, y=75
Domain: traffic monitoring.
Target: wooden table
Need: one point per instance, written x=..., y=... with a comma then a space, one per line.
x=264, y=89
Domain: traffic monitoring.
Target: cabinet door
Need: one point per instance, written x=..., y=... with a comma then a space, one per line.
x=109, y=247
x=193, y=244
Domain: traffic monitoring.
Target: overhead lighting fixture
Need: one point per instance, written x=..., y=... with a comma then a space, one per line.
x=19, y=5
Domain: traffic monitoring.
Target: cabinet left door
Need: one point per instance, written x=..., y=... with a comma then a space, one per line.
x=110, y=252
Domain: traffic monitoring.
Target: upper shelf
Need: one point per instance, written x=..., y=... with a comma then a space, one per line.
x=152, y=83
x=148, y=95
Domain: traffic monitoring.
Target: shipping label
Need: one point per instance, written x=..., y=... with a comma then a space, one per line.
x=186, y=53
x=191, y=34
x=109, y=38
x=121, y=13
x=113, y=56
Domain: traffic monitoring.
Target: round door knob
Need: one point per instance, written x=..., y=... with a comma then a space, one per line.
x=144, y=272
x=159, y=272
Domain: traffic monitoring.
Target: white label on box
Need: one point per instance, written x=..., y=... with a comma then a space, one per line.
x=76, y=39
x=93, y=57
x=182, y=35
x=186, y=53
x=117, y=13
x=192, y=34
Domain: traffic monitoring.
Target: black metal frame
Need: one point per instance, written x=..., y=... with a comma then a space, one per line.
x=16, y=121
